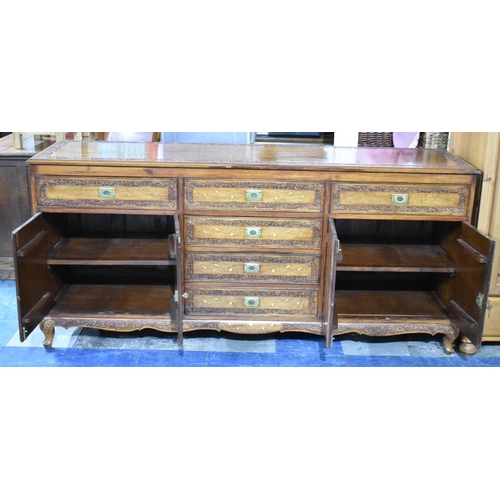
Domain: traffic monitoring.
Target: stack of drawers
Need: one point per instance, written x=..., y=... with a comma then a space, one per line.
x=254, y=265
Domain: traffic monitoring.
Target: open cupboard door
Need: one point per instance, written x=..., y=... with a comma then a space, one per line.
x=177, y=305
x=333, y=255
x=36, y=285
x=467, y=297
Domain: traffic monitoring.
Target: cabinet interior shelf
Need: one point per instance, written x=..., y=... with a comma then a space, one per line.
x=114, y=300
x=371, y=305
x=394, y=258
x=111, y=251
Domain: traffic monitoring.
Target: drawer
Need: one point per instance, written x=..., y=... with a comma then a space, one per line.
x=250, y=302
x=253, y=268
x=447, y=201
x=90, y=192
x=254, y=195
x=253, y=232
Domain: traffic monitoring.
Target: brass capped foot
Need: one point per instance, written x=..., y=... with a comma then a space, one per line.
x=467, y=347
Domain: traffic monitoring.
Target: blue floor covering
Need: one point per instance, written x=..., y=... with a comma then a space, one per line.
x=88, y=348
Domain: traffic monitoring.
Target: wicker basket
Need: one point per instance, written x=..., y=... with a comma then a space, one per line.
x=375, y=139
x=433, y=140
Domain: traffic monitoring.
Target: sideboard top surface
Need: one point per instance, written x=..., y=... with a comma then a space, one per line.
x=250, y=156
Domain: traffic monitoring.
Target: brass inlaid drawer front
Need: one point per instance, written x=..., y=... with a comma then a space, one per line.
x=253, y=268
x=254, y=195
x=271, y=233
x=105, y=192
x=251, y=302
x=441, y=200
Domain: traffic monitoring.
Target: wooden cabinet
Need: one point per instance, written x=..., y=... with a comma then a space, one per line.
x=252, y=239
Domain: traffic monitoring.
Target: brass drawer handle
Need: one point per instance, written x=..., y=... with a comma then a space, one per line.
x=253, y=232
x=251, y=267
x=253, y=194
x=251, y=301
x=106, y=192
x=400, y=199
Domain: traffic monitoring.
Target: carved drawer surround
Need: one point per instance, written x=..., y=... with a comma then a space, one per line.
x=252, y=268
x=253, y=232
x=254, y=195
x=105, y=192
x=255, y=252
x=400, y=199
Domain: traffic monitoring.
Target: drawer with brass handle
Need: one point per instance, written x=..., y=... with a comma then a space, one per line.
x=252, y=268
x=254, y=195
x=109, y=193
x=253, y=232
x=442, y=200
x=236, y=301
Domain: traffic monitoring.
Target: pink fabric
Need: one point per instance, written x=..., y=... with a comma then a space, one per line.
x=405, y=139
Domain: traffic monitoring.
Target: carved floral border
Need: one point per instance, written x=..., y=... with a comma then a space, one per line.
x=312, y=261
x=310, y=295
x=192, y=222
x=317, y=206
x=171, y=203
x=337, y=189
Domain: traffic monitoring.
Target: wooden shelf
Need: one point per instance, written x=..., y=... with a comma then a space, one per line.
x=394, y=258
x=114, y=300
x=110, y=251
x=363, y=305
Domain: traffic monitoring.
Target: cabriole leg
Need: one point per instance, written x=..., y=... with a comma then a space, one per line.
x=448, y=341
x=47, y=327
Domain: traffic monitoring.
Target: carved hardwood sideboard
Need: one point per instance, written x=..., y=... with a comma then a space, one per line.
x=252, y=239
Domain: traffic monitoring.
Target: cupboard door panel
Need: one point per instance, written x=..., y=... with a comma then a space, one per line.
x=465, y=296
x=333, y=256
x=177, y=301
x=37, y=287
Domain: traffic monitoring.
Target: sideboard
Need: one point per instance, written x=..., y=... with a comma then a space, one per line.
x=252, y=239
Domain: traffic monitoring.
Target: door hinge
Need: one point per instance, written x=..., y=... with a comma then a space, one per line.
x=480, y=301
x=185, y=295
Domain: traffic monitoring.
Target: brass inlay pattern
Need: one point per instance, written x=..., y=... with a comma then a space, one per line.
x=337, y=189
x=318, y=189
x=313, y=262
x=171, y=202
x=309, y=295
x=192, y=222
